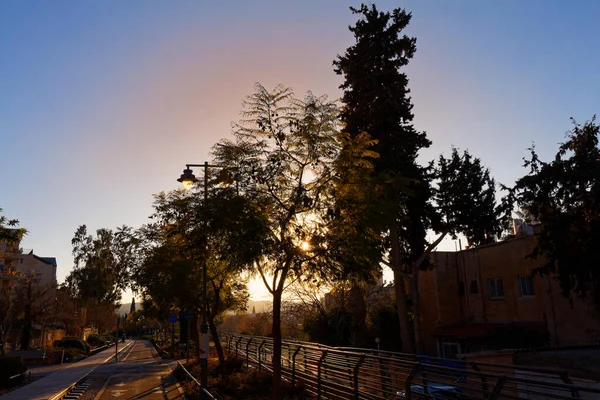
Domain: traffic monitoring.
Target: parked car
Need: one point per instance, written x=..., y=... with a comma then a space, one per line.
x=436, y=391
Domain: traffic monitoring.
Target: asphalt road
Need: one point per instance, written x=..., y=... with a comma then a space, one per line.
x=139, y=374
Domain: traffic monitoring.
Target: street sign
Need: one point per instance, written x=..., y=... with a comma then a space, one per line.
x=173, y=318
x=188, y=315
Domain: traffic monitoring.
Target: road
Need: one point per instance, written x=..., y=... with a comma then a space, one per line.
x=139, y=374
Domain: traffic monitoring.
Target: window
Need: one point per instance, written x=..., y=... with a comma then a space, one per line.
x=474, y=287
x=525, y=286
x=495, y=288
x=450, y=350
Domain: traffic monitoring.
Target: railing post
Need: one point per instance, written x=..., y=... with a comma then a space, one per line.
x=248, y=352
x=484, y=388
x=236, y=345
x=294, y=365
x=323, y=355
x=565, y=378
x=408, y=382
x=497, y=388
x=259, y=354
x=229, y=345
x=356, y=368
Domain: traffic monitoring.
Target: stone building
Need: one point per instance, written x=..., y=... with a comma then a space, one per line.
x=489, y=297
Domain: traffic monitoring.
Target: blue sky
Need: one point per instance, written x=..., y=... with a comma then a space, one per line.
x=102, y=103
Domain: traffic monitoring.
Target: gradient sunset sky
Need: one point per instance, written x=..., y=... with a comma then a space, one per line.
x=102, y=103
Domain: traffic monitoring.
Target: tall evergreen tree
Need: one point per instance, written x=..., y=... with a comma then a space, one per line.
x=406, y=200
x=377, y=100
x=132, y=308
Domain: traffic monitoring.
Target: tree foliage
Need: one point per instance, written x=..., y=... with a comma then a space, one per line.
x=406, y=200
x=102, y=264
x=563, y=195
x=282, y=157
x=9, y=231
x=188, y=234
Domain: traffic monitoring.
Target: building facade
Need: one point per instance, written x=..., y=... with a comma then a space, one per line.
x=489, y=297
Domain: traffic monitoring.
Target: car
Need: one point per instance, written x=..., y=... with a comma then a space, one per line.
x=435, y=391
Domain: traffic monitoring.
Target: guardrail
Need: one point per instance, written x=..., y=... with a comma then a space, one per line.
x=352, y=373
x=206, y=395
x=66, y=390
x=97, y=350
x=18, y=376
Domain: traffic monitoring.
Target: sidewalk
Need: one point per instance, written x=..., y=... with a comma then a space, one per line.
x=46, y=387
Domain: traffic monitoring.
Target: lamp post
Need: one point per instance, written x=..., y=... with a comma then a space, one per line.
x=188, y=179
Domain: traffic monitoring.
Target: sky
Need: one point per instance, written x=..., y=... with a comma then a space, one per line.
x=102, y=103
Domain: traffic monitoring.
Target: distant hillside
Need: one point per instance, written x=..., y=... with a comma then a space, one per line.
x=259, y=306
x=124, y=309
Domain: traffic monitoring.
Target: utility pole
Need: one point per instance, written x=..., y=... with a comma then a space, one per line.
x=117, y=341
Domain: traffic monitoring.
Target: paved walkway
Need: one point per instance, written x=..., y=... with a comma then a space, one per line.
x=46, y=387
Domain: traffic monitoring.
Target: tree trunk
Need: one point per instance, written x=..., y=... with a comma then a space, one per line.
x=27, y=329
x=416, y=300
x=2, y=339
x=400, y=291
x=414, y=291
x=218, y=347
x=277, y=395
x=195, y=333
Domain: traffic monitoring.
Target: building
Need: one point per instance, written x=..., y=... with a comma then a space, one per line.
x=488, y=298
x=26, y=278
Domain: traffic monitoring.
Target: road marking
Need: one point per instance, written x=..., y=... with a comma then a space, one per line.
x=117, y=393
x=130, y=350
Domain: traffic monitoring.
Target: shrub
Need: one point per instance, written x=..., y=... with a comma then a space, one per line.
x=96, y=340
x=71, y=354
x=10, y=366
x=73, y=343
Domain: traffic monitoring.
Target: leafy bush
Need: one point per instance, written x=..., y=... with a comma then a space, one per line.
x=241, y=383
x=72, y=354
x=10, y=366
x=96, y=340
x=73, y=343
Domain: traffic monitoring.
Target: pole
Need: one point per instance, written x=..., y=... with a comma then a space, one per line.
x=187, y=345
x=204, y=327
x=117, y=342
x=172, y=340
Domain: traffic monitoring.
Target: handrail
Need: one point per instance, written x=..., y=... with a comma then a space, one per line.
x=333, y=373
x=66, y=391
x=22, y=374
x=191, y=377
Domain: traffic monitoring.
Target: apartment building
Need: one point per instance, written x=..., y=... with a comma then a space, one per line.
x=472, y=296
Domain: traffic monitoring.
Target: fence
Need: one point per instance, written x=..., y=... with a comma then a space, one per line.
x=352, y=373
x=204, y=393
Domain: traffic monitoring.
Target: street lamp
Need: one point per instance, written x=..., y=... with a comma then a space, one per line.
x=188, y=179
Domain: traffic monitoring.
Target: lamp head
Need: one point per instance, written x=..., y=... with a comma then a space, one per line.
x=187, y=179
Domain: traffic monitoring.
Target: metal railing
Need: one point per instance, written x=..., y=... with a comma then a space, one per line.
x=352, y=373
x=205, y=394
x=22, y=377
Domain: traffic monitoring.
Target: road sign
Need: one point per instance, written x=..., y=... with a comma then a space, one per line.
x=173, y=318
x=188, y=315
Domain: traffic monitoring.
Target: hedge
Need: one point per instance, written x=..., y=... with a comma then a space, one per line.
x=10, y=366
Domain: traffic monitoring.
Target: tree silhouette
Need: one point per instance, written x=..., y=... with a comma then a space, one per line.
x=563, y=195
